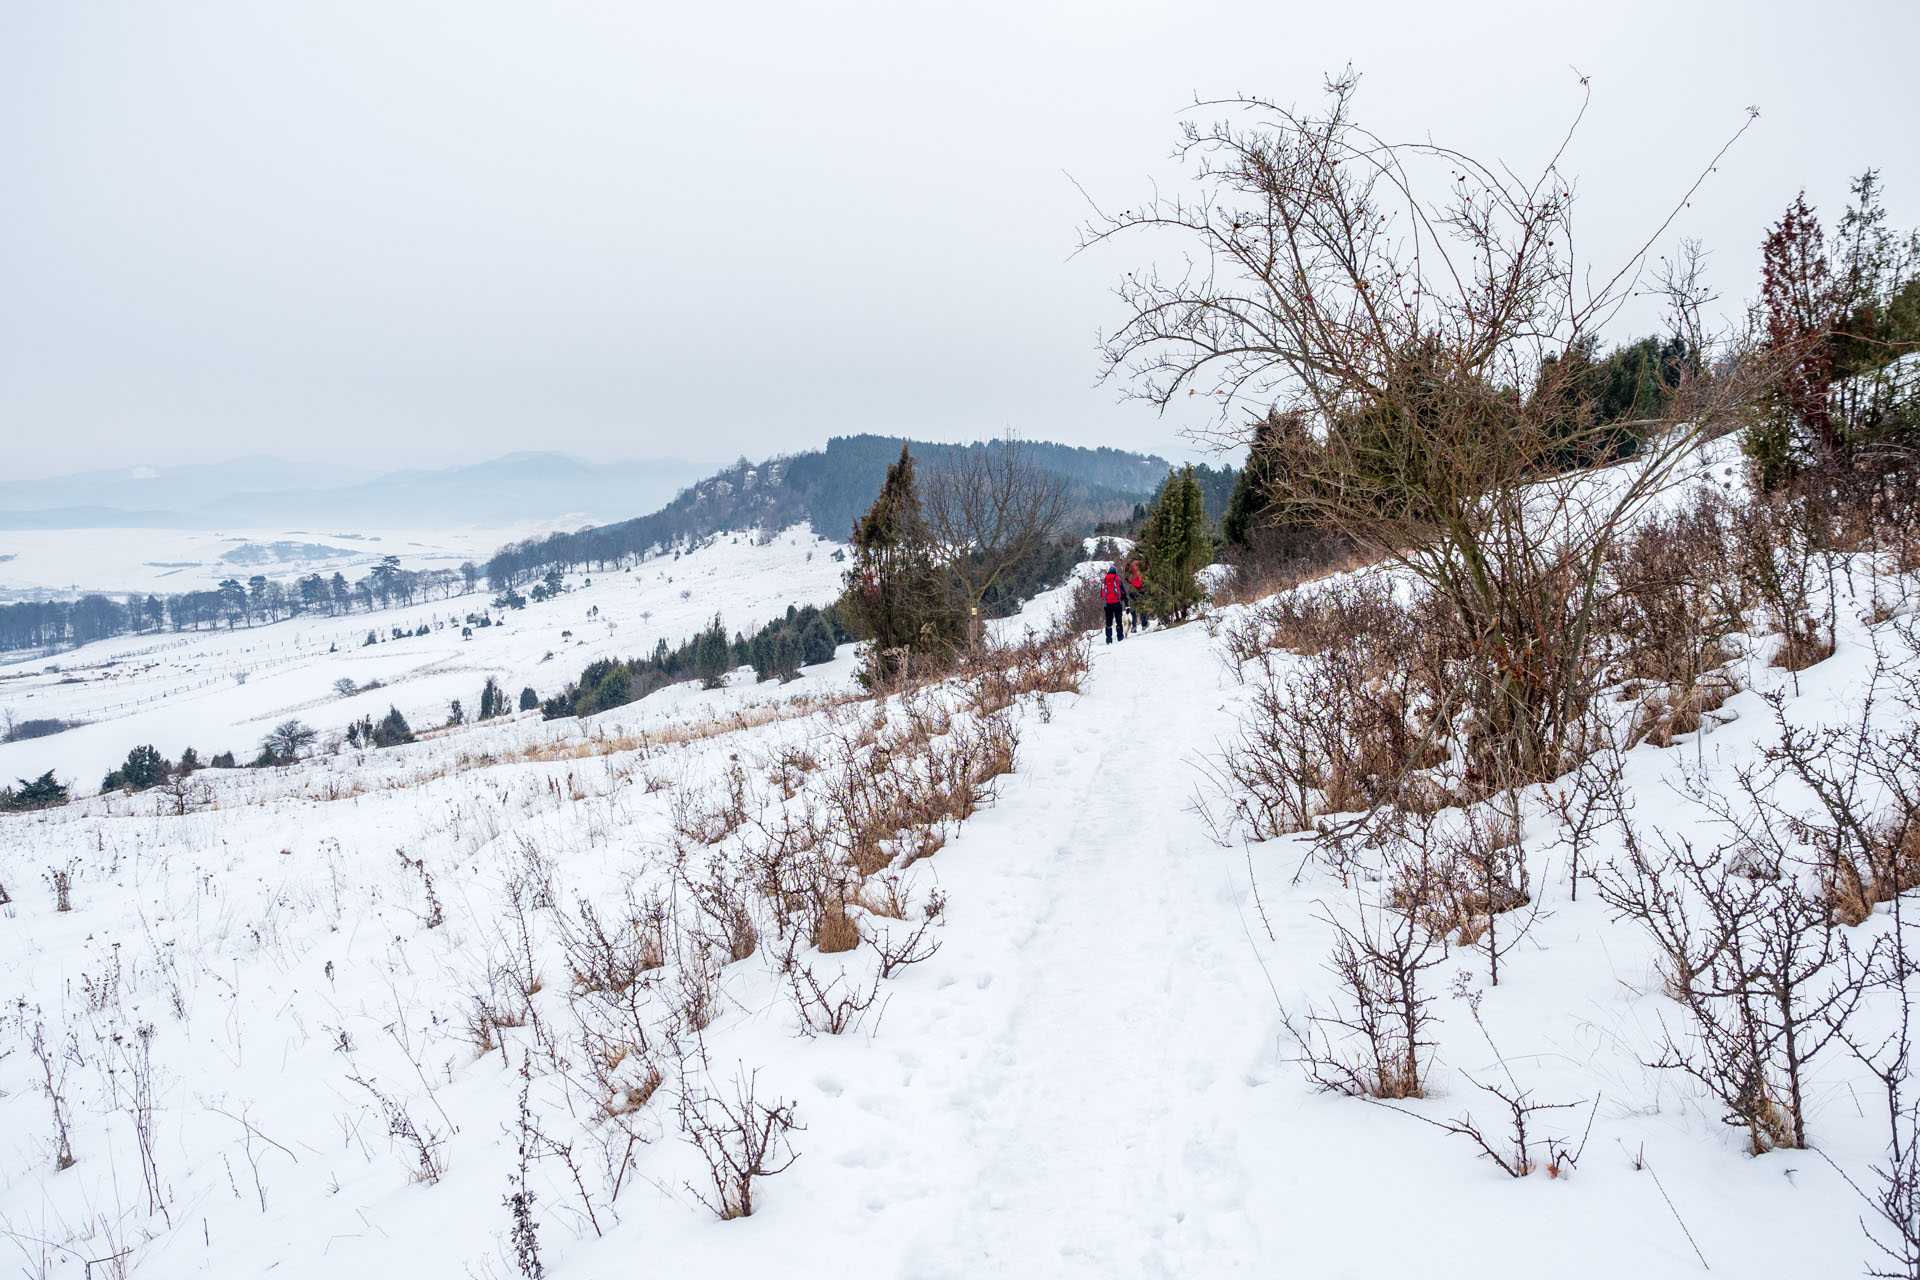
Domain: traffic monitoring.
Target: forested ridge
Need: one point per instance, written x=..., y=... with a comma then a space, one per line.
x=828, y=489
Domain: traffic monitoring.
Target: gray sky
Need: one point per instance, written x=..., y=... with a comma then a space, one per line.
x=416, y=234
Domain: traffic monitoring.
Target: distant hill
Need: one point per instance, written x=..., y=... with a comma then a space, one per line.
x=828, y=489
x=505, y=491
x=149, y=492
x=271, y=492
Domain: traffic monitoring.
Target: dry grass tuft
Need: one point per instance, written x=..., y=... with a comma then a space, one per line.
x=835, y=931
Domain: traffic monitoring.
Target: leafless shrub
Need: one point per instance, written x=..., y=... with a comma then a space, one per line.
x=1344, y=728
x=1086, y=610
x=1278, y=560
x=136, y=1053
x=422, y=1144
x=60, y=880
x=741, y=1139
x=833, y=1007
x=788, y=767
x=1866, y=784
x=1523, y=1149
x=611, y=956
x=696, y=992
x=503, y=1004
x=894, y=802
x=724, y=900
x=1460, y=878
x=1381, y=299
x=899, y=948
x=998, y=673
x=1756, y=961
x=54, y=1081
x=1894, y=1201
x=433, y=917
x=524, y=1231
x=1374, y=1040
x=1779, y=545
x=710, y=818
x=1675, y=593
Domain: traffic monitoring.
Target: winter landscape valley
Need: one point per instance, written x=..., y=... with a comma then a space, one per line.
x=1003, y=642
x=987, y=969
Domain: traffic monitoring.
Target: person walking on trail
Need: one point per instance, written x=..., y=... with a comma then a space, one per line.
x=1136, y=589
x=1113, y=594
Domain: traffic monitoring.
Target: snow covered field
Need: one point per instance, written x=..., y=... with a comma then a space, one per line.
x=1091, y=1077
x=180, y=690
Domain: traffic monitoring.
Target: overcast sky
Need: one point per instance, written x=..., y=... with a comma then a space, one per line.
x=414, y=234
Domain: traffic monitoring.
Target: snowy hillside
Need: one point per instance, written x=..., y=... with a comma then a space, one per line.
x=220, y=691
x=988, y=964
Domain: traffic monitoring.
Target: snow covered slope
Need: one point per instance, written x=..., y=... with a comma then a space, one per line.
x=1091, y=1077
x=181, y=690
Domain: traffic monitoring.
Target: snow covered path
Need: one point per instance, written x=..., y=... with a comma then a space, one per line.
x=1103, y=1072
x=1091, y=1079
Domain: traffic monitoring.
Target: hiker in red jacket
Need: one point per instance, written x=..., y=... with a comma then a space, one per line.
x=1113, y=594
x=1136, y=592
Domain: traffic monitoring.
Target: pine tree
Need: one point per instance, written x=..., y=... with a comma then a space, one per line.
x=896, y=594
x=392, y=731
x=712, y=655
x=42, y=793
x=493, y=701
x=1176, y=545
x=144, y=767
x=816, y=641
x=529, y=699
x=787, y=654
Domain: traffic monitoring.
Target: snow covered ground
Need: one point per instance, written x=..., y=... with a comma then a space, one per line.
x=180, y=690
x=1090, y=1078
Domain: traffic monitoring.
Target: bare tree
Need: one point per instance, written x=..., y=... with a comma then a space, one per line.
x=988, y=508
x=1409, y=307
x=287, y=740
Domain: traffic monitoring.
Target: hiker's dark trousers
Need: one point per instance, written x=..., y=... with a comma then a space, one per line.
x=1116, y=621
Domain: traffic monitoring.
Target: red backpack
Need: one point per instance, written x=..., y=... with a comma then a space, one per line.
x=1110, y=590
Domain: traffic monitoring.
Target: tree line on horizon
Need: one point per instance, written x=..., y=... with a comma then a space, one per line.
x=56, y=624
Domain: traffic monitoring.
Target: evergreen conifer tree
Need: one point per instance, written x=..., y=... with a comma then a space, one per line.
x=1176, y=545
x=787, y=654
x=816, y=641
x=42, y=793
x=712, y=655
x=896, y=593
x=392, y=731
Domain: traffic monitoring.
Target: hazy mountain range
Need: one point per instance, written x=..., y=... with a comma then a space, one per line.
x=265, y=491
